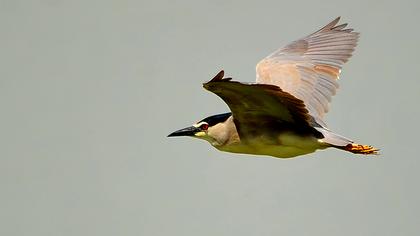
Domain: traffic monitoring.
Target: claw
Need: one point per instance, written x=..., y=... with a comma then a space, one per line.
x=361, y=149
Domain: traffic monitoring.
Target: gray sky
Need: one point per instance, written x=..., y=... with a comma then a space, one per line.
x=90, y=89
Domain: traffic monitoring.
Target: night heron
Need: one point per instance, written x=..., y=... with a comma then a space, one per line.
x=282, y=114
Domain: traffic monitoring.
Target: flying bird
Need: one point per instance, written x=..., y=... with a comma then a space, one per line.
x=282, y=114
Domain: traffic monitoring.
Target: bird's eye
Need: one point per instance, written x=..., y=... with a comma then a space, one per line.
x=204, y=126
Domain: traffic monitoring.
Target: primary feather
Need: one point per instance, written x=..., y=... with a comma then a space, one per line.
x=309, y=67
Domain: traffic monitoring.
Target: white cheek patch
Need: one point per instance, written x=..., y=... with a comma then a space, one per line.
x=199, y=124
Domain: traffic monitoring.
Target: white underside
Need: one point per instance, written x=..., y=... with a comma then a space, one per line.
x=289, y=146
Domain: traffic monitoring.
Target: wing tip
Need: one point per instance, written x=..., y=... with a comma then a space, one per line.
x=336, y=20
x=218, y=76
x=332, y=26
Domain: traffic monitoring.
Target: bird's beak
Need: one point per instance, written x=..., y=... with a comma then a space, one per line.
x=189, y=131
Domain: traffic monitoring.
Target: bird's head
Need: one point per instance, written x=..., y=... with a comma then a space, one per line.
x=212, y=129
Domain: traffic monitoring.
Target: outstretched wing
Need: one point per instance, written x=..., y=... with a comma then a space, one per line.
x=309, y=68
x=257, y=108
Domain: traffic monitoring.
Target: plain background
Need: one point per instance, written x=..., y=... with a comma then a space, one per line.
x=90, y=89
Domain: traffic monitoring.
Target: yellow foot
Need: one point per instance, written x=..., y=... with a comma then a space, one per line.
x=361, y=149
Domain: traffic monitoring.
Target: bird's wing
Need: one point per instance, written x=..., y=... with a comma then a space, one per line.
x=309, y=68
x=259, y=107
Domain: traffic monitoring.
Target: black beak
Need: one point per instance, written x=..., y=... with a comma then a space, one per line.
x=189, y=131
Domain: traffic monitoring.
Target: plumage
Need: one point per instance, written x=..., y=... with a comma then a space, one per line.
x=309, y=67
x=282, y=114
x=259, y=108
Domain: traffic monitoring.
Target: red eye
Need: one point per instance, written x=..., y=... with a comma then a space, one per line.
x=204, y=126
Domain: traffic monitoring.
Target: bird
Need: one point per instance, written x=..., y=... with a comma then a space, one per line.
x=282, y=114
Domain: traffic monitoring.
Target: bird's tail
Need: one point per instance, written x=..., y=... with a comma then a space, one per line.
x=340, y=142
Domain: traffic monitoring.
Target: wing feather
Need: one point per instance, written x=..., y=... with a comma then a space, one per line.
x=308, y=68
x=261, y=108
